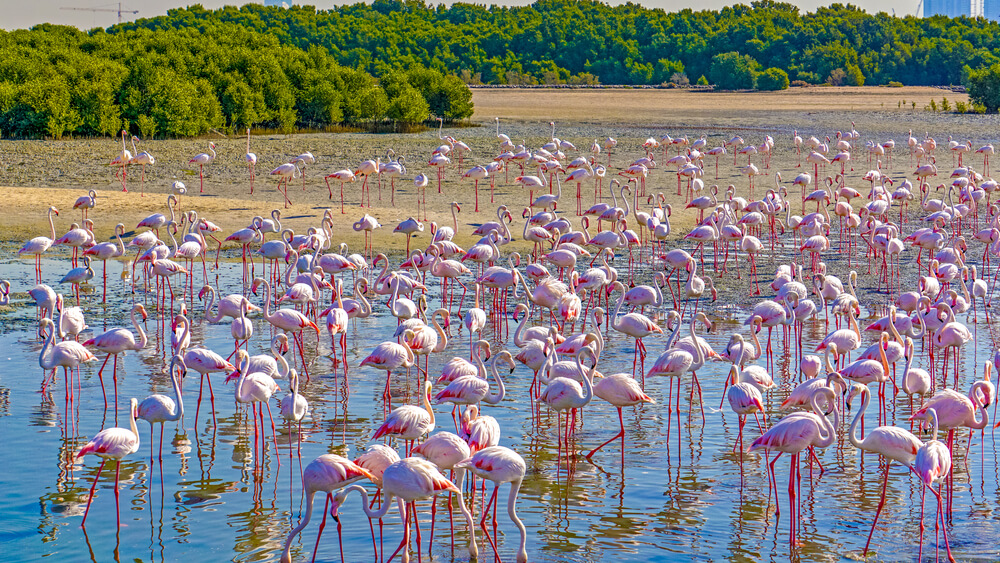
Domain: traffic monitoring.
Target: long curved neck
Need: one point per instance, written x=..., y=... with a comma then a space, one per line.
x=588, y=386
x=427, y=399
x=244, y=366
x=121, y=244
x=984, y=416
x=178, y=397
x=906, y=370
x=518, y=339
x=52, y=225
x=185, y=334
x=47, y=364
x=171, y=201
x=290, y=267
x=143, y=340
x=208, y=307
x=515, y=488
x=615, y=323
x=625, y=201
x=131, y=422
x=501, y=391
x=825, y=441
x=699, y=354
x=865, y=398
x=442, y=335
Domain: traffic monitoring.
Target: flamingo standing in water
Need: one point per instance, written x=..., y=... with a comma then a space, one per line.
x=112, y=443
x=895, y=444
x=621, y=390
x=636, y=325
x=391, y=355
x=67, y=355
x=201, y=159
x=409, y=480
x=409, y=422
x=500, y=465
x=117, y=341
x=288, y=320
x=161, y=408
x=932, y=463
x=793, y=434
x=327, y=473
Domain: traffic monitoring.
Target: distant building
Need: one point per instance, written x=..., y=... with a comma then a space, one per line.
x=279, y=3
x=953, y=8
x=991, y=9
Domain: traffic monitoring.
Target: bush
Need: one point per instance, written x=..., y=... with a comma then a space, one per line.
x=854, y=76
x=945, y=106
x=931, y=106
x=732, y=71
x=837, y=77
x=772, y=79
x=702, y=81
x=894, y=84
x=983, y=85
x=800, y=84
x=961, y=107
x=680, y=79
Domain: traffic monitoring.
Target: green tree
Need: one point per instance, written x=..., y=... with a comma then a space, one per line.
x=983, y=86
x=772, y=79
x=408, y=106
x=732, y=71
x=854, y=76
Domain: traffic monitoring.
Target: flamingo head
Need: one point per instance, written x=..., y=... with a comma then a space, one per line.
x=204, y=290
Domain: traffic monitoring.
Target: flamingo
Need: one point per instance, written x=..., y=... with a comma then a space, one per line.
x=409, y=422
x=256, y=389
x=38, y=245
x=933, y=462
x=563, y=393
x=389, y=356
x=327, y=473
x=636, y=325
x=286, y=172
x=105, y=251
x=793, y=434
x=111, y=443
x=67, y=355
x=201, y=159
x=294, y=407
x=85, y=203
x=142, y=159
x=500, y=465
x=288, y=320
x=117, y=341
x=895, y=444
x=122, y=160
x=342, y=176
x=409, y=480
x=621, y=390
x=161, y=408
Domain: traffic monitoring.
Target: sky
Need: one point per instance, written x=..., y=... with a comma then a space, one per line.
x=18, y=15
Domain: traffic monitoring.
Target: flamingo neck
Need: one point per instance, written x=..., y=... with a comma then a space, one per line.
x=175, y=380
x=143, y=340
x=491, y=398
x=865, y=398
x=208, y=307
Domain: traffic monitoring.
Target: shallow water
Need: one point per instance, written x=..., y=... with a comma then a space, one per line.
x=206, y=501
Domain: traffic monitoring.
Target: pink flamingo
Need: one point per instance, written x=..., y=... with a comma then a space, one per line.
x=142, y=159
x=408, y=422
x=111, y=443
x=676, y=362
x=256, y=389
x=444, y=450
x=621, y=390
x=68, y=354
x=251, y=160
x=327, y=473
x=85, y=203
x=563, y=393
x=117, y=341
x=895, y=444
x=288, y=320
x=471, y=389
x=745, y=400
x=500, y=465
x=201, y=360
x=793, y=434
x=636, y=325
x=409, y=480
x=389, y=356
x=201, y=159
x=286, y=172
x=933, y=462
x=342, y=176
x=122, y=160
x=161, y=408
x=105, y=251
x=38, y=245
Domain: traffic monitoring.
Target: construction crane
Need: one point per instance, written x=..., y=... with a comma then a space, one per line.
x=120, y=10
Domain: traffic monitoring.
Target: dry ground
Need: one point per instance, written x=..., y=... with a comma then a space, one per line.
x=40, y=173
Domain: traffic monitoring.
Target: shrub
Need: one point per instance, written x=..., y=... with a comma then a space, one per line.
x=984, y=87
x=894, y=84
x=961, y=107
x=702, y=81
x=945, y=106
x=732, y=71
x=837, y=77
x=772, y=79
x=800, y=84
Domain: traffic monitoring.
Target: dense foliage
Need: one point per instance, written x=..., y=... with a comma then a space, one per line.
x=984, y=87
x=580, y=41
x=196, y=69
x=186, y=81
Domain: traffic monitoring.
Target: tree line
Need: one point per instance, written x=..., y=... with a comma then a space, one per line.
x=194, y=69
x=189, y=79
x=587, y=41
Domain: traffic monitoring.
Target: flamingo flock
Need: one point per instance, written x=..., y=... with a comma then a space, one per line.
x=576, y=326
